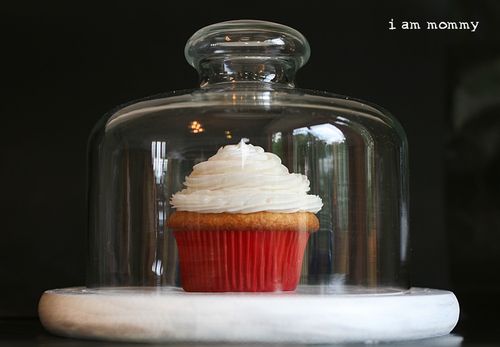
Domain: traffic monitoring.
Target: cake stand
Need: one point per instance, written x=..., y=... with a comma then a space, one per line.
x=308, y=315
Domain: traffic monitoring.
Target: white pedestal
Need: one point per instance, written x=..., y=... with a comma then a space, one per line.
x=305, y=316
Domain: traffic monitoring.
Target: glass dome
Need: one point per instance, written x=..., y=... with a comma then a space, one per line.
x=352, y=154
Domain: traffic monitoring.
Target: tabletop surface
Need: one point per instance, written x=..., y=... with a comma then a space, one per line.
x=29, y=332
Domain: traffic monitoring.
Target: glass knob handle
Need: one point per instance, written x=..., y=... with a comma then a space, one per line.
x=247, y=47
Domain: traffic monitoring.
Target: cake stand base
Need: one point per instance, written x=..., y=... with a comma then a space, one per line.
x=305, y=316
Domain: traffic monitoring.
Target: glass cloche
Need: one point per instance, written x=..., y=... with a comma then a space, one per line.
x=248, y=201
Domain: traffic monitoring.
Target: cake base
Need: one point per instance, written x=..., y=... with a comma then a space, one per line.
x=305, y=316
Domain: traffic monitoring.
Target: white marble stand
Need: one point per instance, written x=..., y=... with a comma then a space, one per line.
x=306, y=316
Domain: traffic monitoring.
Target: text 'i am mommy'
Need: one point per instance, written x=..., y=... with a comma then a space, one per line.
x=471, y=26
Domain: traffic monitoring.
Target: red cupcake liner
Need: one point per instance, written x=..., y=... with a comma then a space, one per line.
x=240, y=261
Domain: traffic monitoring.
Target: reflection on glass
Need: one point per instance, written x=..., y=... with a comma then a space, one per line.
x=160, y=167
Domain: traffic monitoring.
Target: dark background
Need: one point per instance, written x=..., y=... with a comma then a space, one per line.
x=64, y=64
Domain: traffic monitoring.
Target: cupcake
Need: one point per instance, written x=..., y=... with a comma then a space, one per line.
x=242, y=222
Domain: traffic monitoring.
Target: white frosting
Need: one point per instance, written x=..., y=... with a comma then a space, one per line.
x=243, y=178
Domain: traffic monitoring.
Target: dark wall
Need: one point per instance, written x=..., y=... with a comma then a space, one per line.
x=65, y=65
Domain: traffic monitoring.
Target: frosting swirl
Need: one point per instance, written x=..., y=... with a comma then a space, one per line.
x=244, y=178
